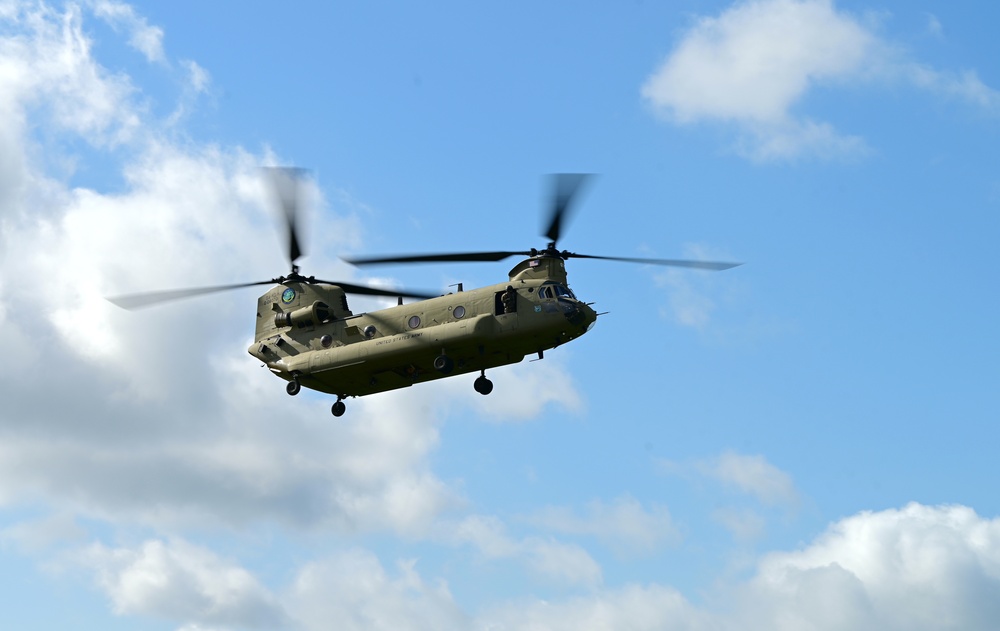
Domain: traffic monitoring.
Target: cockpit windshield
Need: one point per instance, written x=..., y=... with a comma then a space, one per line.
x=557, y=291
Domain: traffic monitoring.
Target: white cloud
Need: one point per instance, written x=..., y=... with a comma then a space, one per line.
x=564, y=563
x=964, y=86
x=691, y=304
x=921, y=568
x=177, y=581
x=41, y=534
x=754, y=64
x=353, y=591
x=694, y=296
x=50, y=69
x=633, y=607
x=755, y=60
x=159, y=416
x=753, y=475
x=145, y=38
x=744, y=524
x=934, y=26
x=624, y=524
x=749, y=474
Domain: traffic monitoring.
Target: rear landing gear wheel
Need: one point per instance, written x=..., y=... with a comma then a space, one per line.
x=483, y=385
x=293, y=387
x=339, y=408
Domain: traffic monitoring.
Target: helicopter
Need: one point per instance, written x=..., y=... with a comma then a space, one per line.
x=307, y=335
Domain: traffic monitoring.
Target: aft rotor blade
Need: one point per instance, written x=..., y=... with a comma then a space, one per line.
x=472, y=257
x=366, y=290
x=705, y=265
x=565, y=186
x=287, y=182
x=148, y=299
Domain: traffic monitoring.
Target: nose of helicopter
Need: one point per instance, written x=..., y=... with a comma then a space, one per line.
x=590, y=317
x=582, y=316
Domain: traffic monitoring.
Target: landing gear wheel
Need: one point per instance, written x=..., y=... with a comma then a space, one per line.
x=293, y=387
x=339, y=408
x=483, y=385
x=444, y=364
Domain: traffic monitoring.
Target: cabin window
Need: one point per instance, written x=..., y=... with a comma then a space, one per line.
x=414, y=322
x=459, y=312
x=506, y=301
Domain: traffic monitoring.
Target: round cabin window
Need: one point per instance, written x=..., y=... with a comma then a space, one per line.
x=459, y=312
x=414, y=322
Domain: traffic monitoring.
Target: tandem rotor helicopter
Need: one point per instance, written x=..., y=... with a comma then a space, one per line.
x=307, y=335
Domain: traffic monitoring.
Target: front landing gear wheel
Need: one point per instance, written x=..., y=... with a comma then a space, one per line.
x=444, y=364
x=339, y=408
x=483, y=385
x=293, y=387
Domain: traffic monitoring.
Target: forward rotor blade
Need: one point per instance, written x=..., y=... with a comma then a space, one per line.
x=286, y=182
x=132, y=302
x=472, y=257
x=365, y=290
x=565, y=187
x=706, y=265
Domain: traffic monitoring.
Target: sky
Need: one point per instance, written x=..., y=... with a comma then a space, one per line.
x=807, y=441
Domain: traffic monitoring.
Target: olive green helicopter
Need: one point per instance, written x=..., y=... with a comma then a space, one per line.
x=308, y=336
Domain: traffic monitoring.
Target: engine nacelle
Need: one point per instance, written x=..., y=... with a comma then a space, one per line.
x=313, y=315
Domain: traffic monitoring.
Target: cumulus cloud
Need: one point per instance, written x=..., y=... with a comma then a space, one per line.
x=44, y=533
x=753, y=65
x=634, y=607
x=161, y=417
x=49, y=72
x=921, y=568
x=177, y=581
x=353, y=591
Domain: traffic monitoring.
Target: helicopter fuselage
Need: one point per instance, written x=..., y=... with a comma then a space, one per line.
x=307, y=335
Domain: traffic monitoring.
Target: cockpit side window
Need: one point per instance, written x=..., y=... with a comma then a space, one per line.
x=545, y=292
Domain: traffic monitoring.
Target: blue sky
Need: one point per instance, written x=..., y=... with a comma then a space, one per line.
x=806, y=441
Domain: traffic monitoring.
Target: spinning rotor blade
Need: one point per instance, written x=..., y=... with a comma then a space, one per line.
x=565, y=186
x=706, y=265
x=132, y=302
x=286, y=182
x=365, y=290
x=287, y=185
x=148, y=299
x=473, y=257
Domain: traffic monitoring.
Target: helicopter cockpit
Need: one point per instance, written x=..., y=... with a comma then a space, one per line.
x=555, y=290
